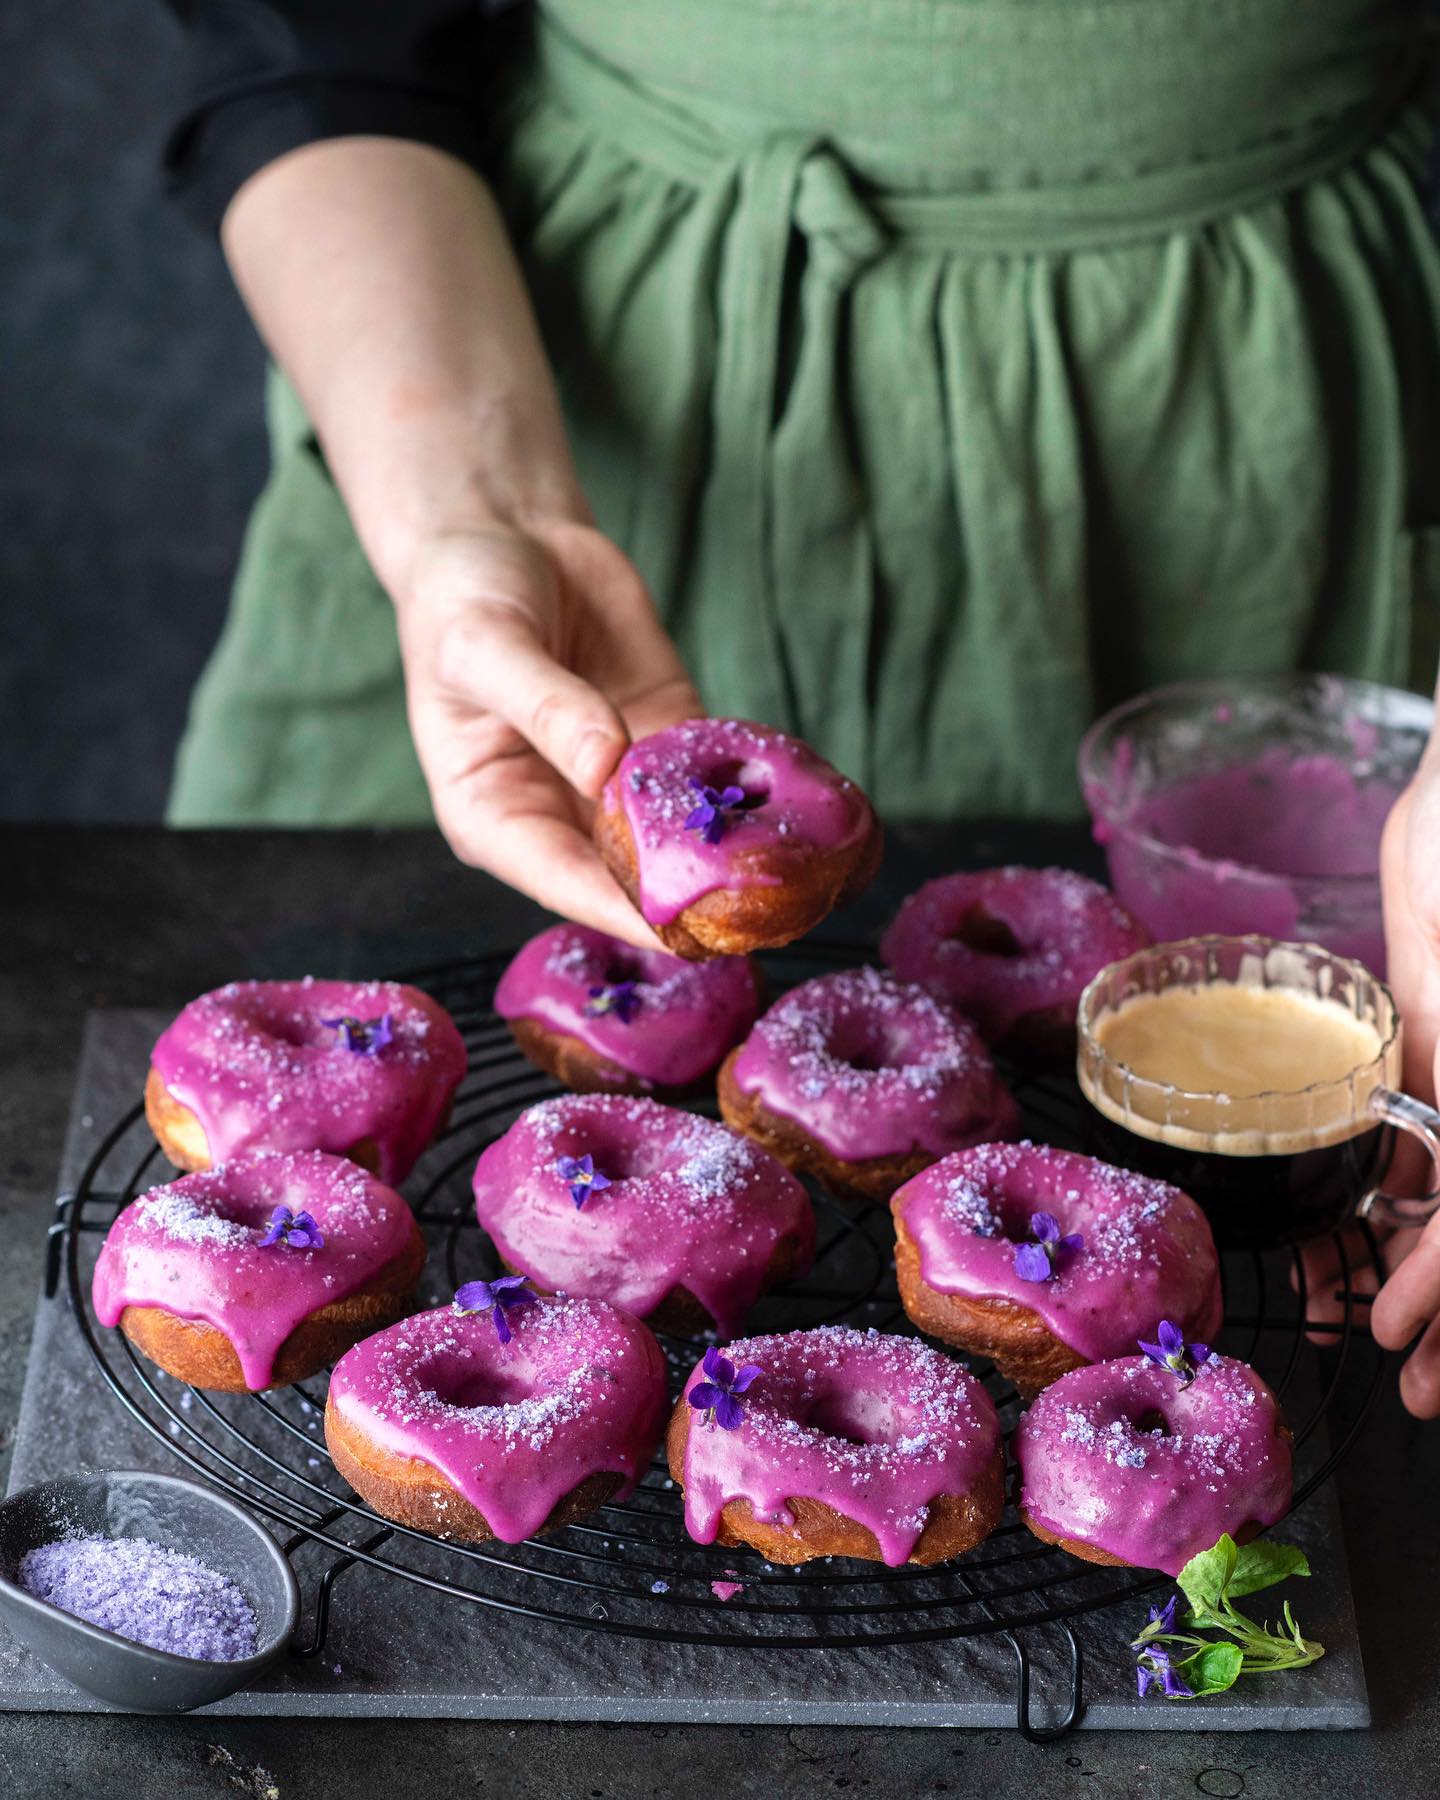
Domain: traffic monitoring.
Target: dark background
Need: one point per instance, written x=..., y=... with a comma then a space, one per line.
x=131, y=437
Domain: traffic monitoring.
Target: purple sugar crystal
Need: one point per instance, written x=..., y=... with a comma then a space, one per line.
x=146, y=1593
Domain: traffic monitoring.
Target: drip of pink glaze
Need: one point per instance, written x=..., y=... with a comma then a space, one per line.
x=193, y=1248
x=797, y=804
x=578, y=1391
x=874, y=1067
x=1155, y=1497
x=687, y=1015
x=877, y=1427
x=255, y=1065
x=1066, y=928
x=690, y=1204
x=1148, y=1251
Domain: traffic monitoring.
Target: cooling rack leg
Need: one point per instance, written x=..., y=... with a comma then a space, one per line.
x=321, y=1629
x=1045, y=1734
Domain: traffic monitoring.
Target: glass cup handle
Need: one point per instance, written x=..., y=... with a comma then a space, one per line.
x=1422, y=1122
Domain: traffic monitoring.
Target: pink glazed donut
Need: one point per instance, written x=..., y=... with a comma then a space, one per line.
x=964, y=1230
x=197, y=1277
x=862, y=1081
x=1123, y=1463
x=676, y=1219
x=1014, y=948
x=445, y=1428
x=366, y=1069
x=847, y=1443
x=732, y=837
x=603, y=1017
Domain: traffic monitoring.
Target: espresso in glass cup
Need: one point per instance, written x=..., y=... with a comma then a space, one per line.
x=1260, y=1077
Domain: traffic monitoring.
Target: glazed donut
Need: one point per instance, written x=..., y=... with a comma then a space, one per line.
x=603, y=1017
x=862, y=1081
x=364, y=1069
x=1127, y=1463
x=965, y=1230
x=1014, y=948
x=442, y=1426
x=730, y=837
x=837, y=1442
x=676, y=1219
x=204, y=1278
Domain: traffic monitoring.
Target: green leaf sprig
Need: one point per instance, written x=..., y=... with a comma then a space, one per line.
x=1186, y=1667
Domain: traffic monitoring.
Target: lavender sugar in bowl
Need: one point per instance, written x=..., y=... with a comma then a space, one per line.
x=1254, y=805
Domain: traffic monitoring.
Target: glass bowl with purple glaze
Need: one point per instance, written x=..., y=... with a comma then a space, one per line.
x=1254, y=804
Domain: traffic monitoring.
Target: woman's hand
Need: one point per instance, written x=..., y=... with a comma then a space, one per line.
x=1409, y=1303
x=532, y=655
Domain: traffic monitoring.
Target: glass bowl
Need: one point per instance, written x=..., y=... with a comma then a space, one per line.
x=1254, y=804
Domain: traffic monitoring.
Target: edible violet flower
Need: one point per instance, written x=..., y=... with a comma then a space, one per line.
x=708, y=817
x=1153, y=1666
x=1037, y=1261
x=618, y=997
x=584, y=1178
x=716, y=1395
x=294, y=1231
x=366, y=1037
x=498, y=1297
x=1174, y=1354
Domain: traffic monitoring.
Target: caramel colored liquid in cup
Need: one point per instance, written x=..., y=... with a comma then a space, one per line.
x=1237, y=1070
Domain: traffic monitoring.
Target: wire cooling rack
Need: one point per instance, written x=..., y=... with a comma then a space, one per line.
x=630, y=1568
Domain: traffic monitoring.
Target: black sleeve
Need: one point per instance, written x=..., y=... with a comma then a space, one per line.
x=269, y=75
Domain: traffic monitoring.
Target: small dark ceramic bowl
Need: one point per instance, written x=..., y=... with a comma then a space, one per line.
x=182, y=1516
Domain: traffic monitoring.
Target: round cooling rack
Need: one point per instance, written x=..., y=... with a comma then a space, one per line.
x=630, y=1568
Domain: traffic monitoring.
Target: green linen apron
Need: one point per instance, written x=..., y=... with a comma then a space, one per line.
x=949, y=368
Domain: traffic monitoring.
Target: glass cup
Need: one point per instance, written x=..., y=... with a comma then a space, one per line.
x=1277, y=1167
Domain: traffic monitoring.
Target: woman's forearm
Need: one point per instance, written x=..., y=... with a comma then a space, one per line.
x=380, y=276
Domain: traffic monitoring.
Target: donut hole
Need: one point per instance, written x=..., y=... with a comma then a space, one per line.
x=979, y=930
x=614, y=1157
x=622, y=968
x=463, y=1385
x=865, y=1044
x=735, y=773
x=852, y=1416
x=1152, y=1423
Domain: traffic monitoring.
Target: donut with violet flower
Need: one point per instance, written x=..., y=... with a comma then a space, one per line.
x=1144, y=1461
x=604, y=1017
x=862, y=1081
x=837, y=1442
x=671, y=1216
x=731, y=837
x=260, y=1271
x=1013, y=948
x=501, y=1415
x=1044, y=1260
x=363, y=1069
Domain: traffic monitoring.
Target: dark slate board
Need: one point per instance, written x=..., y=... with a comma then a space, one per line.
x=396, y=1650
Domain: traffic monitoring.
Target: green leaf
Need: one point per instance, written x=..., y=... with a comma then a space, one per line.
x=1211, y=1670
x=1261, y=1565
x=1205, y=1578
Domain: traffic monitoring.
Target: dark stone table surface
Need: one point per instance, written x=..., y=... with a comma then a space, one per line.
x=134, y=917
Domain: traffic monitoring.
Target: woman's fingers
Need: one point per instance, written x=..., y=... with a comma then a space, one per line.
x=1420, y=1378
x=1411, y=1297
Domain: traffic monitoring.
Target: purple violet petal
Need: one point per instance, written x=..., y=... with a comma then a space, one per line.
x=567, y=1168
x=731, y=796
x=1175, y=1688
x=502, y=1284
x=728, y=1412
x=502, y=1325
x=598, y=1181
x=1153, y=1351
x=704, y=1395
x=1031, y=1262
x=1144, y=1675
x=710, y=1362
x=723, y=1374
x=1200, y=1353
x=1044, y=1228
x=1069, y=1244
x=474, y=1296
x=744, y=1377
x=1172, y=1338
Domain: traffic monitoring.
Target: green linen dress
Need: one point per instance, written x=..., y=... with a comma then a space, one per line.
x=949, y=368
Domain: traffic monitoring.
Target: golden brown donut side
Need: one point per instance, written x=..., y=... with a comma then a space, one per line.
x=201, y=1354
x=680, y=1311
x=1017, y=1340
x=735, y=921
x=875, y=1179
x=572, y=1062
x=411, y=1492
x=1092, y=1553
x=956, y=1522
